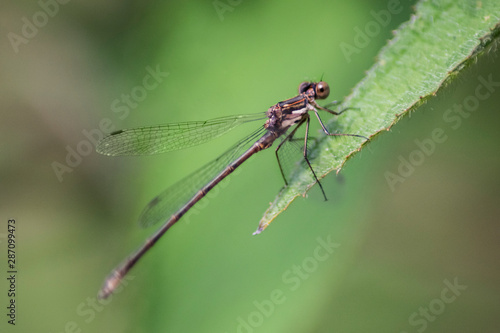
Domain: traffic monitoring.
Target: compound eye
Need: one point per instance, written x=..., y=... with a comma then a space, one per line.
x=304, y=86
x=322, y=90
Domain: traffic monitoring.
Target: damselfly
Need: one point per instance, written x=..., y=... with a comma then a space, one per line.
x=174, y=202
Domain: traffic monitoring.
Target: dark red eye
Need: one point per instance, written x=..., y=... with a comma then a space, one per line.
x=304, y=86
x=322, y=90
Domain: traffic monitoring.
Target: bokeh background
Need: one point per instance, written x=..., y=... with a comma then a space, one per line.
x=395, y=252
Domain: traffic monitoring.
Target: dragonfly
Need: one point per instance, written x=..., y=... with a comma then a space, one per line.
x=281, y=120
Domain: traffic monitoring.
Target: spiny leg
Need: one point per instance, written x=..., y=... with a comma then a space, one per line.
x=332, y=103
x=307, y=160
x=325, y=108
x=335, y=134
x=288, y=138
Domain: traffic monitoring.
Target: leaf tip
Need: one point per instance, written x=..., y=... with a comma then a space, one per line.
x=258, y=231
x=264, y=222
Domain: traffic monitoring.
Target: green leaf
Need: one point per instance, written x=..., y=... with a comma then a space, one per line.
x=427, y=52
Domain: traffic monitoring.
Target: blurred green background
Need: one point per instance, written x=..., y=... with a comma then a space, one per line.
x=394, y=253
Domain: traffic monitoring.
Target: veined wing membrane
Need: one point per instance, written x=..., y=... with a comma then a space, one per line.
x=162, y=138
x=173, y=198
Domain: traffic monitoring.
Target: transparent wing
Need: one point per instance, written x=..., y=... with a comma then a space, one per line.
x=177, y=195
x=291, y=155
x=162, y=138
